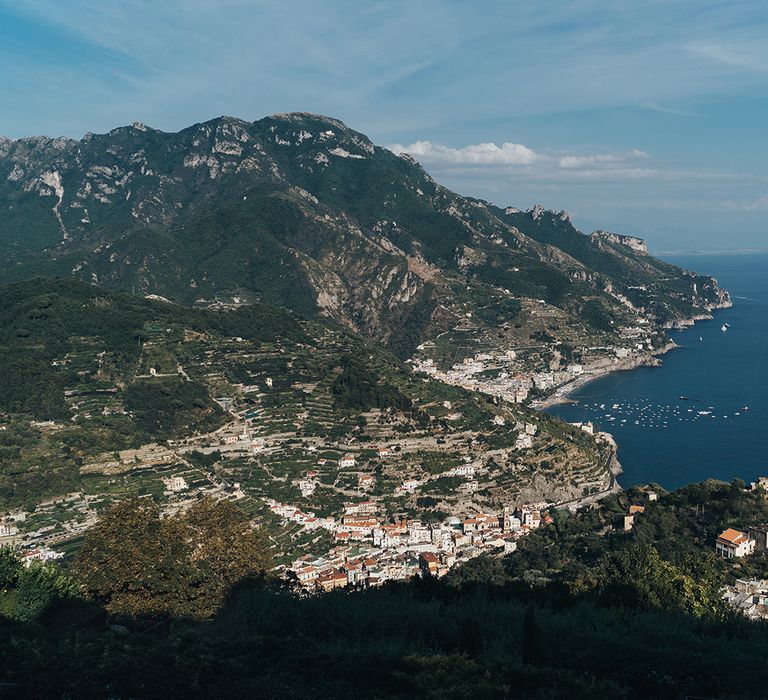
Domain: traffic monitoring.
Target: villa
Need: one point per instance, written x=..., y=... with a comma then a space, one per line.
x=733, y=543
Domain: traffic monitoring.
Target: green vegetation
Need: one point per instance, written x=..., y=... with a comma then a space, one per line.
x=86, y=358
x=168, y=408
x=581, y=610
x=358, y=387
x=286, y=220
x=27, y=593
x=139, y=563
x=148, y=605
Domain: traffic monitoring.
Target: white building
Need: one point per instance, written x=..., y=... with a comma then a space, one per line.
x=176, y=483
x=750, y=596
x=307, y=487
x=530, y=516
x=42, y=554
x=465, y=470
x=509, y=522
x=733, y=543
x=523, y=442
x=8, y=529
x=366, y=481
x=418, y=533
x=520, y=395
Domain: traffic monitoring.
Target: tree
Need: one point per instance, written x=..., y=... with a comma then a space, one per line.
x=225, y=549
x=10, y=567
x=638, y=577
x=38, y=586
x=533, y=648
x=135, y=561
x=139, y=563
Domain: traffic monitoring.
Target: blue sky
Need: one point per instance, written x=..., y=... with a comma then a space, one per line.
x=643, y=117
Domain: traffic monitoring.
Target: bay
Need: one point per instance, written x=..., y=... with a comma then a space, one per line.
x=721, y=431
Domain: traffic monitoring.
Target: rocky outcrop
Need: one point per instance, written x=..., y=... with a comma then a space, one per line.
x=636, y=244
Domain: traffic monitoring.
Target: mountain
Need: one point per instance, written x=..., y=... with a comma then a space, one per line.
x=300, y=211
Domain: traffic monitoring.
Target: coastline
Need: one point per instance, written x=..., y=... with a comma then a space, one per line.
x=563, y=393
x=614, y=466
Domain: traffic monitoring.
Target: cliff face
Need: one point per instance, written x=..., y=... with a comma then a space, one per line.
x=301, y=211
x=636, y=244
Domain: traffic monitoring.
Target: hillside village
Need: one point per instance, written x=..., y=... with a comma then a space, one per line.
x=369, y=552
x=289, y=419
x=376, y=531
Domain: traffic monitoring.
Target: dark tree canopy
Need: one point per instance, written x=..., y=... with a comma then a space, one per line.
x=139, y=562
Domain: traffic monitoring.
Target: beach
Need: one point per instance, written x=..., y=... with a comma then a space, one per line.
x=562, y=393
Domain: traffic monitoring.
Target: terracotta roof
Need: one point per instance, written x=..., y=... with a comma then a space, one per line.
x=331, y=576
x=636, y=509
x=732, y=536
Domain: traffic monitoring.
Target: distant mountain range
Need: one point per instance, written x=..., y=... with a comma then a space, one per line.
x=300, y=211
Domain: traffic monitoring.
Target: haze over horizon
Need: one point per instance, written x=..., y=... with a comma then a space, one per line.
x=643, y=118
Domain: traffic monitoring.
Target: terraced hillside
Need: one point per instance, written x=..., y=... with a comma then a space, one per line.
x=112, y=395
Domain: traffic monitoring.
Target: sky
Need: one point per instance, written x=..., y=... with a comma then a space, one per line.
x=643, y=117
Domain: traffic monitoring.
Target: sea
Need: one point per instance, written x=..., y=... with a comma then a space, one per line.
x=720, y=430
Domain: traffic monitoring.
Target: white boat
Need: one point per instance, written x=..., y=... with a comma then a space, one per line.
x=724, y=328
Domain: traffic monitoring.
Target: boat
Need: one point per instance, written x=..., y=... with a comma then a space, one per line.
x=701, y=340
x=684, y=398
x=724, y=328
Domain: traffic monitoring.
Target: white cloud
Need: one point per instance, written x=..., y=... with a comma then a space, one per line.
x=476, y=154
x=443, y=158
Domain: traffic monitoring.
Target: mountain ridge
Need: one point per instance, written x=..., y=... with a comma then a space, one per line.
x=300, y=210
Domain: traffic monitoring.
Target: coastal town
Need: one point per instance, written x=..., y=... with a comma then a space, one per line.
x=280, y=438
x=375, y=495
x=539, y=374
x=368, y=552
x=367, y=543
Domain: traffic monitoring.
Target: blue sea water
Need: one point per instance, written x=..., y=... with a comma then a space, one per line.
x=722, y=430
